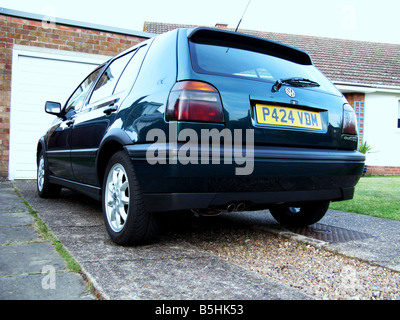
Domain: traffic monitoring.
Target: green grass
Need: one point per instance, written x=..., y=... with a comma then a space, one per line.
x=374, y=196
x=46, y=235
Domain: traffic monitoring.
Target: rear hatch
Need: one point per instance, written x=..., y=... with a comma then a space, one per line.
x=271, y=88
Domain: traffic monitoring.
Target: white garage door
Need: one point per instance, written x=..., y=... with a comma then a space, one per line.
x=39, y=76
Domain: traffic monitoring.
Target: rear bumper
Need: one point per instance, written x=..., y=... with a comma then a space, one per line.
x=278, y=175
x=163, y=202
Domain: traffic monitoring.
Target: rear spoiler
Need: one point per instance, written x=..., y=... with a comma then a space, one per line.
x=237, y=40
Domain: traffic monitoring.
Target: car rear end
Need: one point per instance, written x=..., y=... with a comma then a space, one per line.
x=290, y=134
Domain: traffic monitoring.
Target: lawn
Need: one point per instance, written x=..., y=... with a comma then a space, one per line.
x=374, y=196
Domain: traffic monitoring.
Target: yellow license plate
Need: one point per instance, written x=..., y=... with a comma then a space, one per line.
x=290, y=117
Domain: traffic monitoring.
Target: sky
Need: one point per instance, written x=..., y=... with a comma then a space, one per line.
x=366, y=20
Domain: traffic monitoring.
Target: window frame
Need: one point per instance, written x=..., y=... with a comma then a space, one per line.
x=77, y=110
x=141, y=50
x=88, y=101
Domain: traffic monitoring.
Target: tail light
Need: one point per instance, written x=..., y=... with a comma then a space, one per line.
x=194, y=101
x=349, y=120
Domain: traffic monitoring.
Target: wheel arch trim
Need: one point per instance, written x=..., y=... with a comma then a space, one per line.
x=113, y=141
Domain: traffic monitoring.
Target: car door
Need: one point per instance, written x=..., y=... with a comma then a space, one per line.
x=59, y=136
x=91, y=123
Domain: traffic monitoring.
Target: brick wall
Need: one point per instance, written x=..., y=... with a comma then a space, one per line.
x=28, y=32
x=383, y=170
x=354, y=96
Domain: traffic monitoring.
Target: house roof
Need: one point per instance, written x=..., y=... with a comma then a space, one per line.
x=345, y=61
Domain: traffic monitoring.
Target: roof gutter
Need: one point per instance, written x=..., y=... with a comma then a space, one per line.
x=73, y=23
x=365, y=88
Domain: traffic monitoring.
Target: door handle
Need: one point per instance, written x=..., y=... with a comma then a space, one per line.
x=111, y=108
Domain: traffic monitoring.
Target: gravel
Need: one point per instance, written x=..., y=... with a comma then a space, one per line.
x=315, y=271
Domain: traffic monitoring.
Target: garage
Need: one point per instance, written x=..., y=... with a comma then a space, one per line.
x=40, y=62
x=39, y=75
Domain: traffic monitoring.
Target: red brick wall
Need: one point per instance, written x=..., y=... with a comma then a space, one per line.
x=35, y=33
x=354, y=96
x=383, y=170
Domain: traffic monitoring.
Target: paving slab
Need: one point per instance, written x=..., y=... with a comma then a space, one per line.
x=46, y=286
x=191, y=278
x=383, y=248
x=29, y=259
x=9, y=201
x=18, y=234
x=17, y=228
x=16, y=219
x=30, y=268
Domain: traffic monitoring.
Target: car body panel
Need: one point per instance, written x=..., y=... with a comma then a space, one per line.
x=57, y=150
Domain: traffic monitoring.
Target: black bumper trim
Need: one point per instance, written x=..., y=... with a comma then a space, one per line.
x=161, y=202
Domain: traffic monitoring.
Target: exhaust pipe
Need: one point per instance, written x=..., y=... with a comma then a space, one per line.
x=215, y=212
x=240, y=207
x=236, y=208
x=207, y=212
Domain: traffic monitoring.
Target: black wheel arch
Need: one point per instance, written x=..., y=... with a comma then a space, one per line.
x=113, y=141
x=40, y=146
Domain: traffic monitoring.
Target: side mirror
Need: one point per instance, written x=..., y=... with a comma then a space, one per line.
x=53, y=108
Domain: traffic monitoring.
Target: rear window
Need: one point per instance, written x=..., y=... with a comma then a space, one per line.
x=237, y=62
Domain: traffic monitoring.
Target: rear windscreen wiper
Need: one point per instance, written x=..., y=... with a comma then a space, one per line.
x=296, y=82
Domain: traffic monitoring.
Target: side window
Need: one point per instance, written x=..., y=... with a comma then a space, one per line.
x=129, y=75
x=76, y=99
x=106, y=84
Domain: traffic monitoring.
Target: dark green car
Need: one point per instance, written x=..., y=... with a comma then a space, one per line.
x=207, y=120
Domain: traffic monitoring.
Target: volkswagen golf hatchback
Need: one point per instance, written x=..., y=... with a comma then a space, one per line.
x=204, y=120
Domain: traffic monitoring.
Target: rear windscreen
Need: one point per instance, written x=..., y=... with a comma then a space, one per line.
x=236, y=62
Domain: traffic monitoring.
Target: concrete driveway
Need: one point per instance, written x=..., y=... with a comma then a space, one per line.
x=169, y=269
x=175, y=269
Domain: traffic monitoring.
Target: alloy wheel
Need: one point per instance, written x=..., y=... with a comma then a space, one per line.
x=117, y=197
x=40, y=174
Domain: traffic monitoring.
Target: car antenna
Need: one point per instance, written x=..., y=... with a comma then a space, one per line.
x=237, y=27
x=244, y=12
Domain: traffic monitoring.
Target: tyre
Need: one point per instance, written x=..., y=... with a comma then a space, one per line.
x=304, y=215
x=44, y=187
x=126, y=219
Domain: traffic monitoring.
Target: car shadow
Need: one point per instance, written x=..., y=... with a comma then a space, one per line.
x=189, y=226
